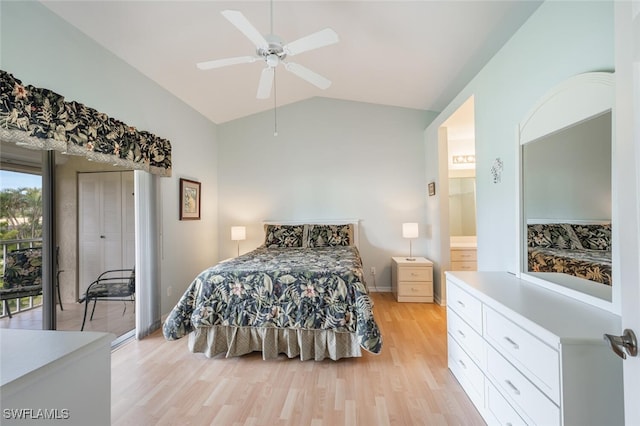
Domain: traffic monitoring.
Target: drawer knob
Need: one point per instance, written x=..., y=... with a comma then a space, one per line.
x=462, y=334
x=513, y=387
x=461, y=303
x=461, y=362
x=511, y=342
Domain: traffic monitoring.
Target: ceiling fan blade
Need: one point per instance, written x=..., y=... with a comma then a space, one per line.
x=243, y=24
x=207, y=65
x=266, y=82
x=308, y=75
x=312, y=41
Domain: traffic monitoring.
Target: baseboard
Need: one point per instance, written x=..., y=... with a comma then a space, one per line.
x=379, y=289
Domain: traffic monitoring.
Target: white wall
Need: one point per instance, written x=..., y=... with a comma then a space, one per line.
x=331, y=160
x=41, y=49
x=561, y=39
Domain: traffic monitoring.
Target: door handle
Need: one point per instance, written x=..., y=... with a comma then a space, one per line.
x=627, y=341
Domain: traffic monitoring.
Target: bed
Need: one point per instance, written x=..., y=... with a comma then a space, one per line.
x=579, y=249
x=301, y=293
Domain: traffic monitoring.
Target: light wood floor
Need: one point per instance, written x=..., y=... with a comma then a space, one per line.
x=108, y=317
x=155, y=382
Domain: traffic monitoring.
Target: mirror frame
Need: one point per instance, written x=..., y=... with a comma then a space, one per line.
x=575, y=100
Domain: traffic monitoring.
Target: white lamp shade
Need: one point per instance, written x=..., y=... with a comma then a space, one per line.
x=238, y=233
x=410, y=230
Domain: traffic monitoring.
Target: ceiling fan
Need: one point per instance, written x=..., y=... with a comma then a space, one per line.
x=272, y=50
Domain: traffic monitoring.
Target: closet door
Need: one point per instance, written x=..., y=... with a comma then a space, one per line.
x=105, y=224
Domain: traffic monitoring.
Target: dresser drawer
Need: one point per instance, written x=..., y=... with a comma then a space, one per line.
x=504, y=413
x=524, y=394
x=415, y=289
x=465, y=336
x=463, y=255
x=468, y=307
x=468, y=374
x=464, y=266
x=540, y=361
x=408, y=273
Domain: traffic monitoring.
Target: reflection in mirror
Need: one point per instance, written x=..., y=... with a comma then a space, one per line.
x=567, y=203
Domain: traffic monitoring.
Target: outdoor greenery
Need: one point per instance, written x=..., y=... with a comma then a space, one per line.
x=20, y=213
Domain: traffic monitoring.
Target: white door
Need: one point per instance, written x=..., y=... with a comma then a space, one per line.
x=105, y=224
x=628, y=157
x=631, y=290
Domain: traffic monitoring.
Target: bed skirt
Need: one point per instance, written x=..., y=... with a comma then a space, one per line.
x=306, y=344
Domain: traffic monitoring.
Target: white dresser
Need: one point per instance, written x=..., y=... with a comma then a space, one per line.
x=526, y=355
x=412, y=280
x=55, y=377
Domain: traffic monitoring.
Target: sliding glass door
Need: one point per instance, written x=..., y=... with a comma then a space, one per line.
x=63, y=221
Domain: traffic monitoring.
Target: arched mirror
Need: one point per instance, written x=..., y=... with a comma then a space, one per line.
x=566, y=241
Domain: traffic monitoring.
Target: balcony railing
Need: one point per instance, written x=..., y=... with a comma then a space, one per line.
x=24, y=303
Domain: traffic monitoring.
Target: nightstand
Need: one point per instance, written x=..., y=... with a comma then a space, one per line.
x=412, y=280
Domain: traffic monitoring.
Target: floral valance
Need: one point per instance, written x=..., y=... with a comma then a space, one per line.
x=41, y=119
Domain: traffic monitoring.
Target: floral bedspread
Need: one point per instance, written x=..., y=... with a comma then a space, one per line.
x=593, y=265
x=299, y=288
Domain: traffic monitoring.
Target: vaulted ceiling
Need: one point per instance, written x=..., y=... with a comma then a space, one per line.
x=413, y=54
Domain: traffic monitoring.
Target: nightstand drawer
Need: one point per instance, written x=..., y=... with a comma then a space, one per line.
x=526, y=351
x=408, y=273
x=415, y=289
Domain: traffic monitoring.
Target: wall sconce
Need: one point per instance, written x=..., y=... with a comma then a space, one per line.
x=410, y=231
x=238, y=233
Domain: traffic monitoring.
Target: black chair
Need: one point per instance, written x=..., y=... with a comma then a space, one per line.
x=116, y=285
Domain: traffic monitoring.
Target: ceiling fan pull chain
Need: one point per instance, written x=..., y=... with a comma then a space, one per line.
x=275, y=106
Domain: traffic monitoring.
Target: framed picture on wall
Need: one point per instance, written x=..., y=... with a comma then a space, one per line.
x=189, y=199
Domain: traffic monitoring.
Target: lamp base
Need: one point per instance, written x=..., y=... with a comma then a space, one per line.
x=411, y=259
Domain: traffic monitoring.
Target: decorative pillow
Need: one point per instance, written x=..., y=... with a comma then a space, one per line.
x=553, y=235
x=594, y=236
x=283, y=235
x=23, y=268
x=329, y=235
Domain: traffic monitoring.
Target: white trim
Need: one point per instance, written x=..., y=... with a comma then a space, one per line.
x=570, y=221
x=573, y=101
